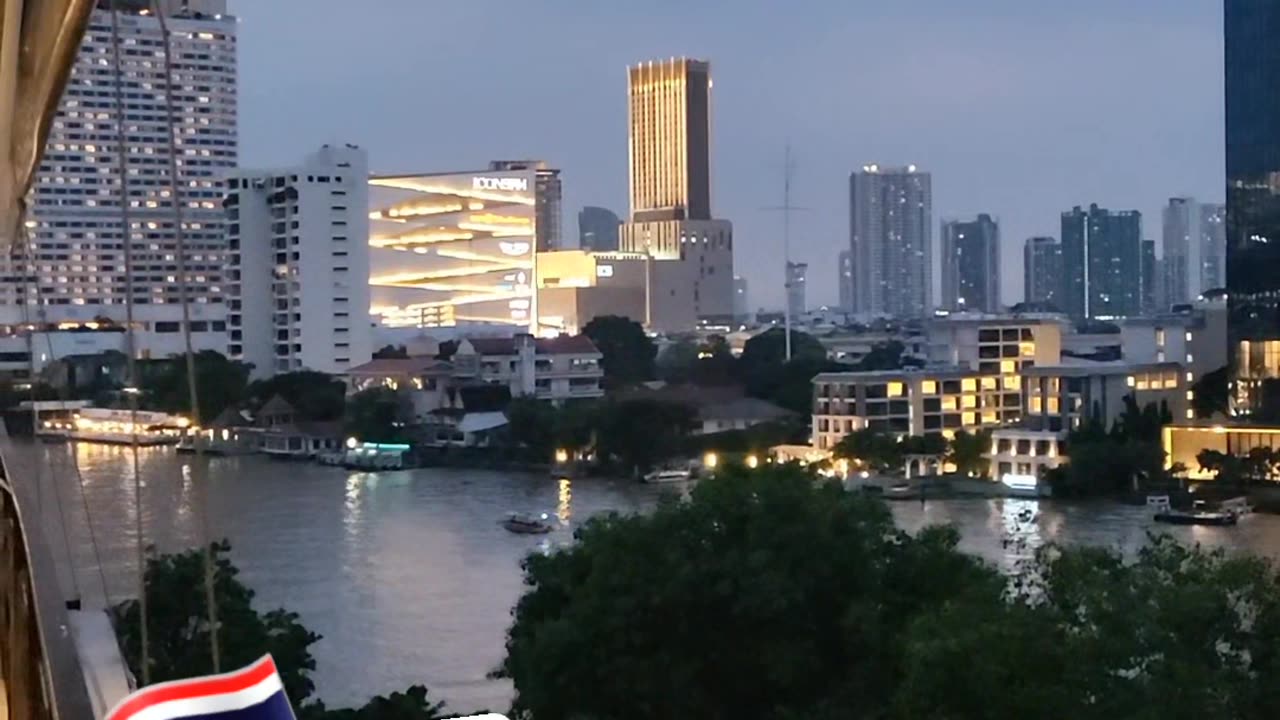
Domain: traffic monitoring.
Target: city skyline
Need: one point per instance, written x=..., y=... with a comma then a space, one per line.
x=995, y=72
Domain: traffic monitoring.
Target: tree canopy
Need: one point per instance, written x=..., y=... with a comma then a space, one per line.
x=377, y=414
x=316, y=396
x=770, y=595
x=220, y=383
x=627, y=353
x=178, y=637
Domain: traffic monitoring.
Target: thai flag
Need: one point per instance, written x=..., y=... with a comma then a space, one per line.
x=252, y=693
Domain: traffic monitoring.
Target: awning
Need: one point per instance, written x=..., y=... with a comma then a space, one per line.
x=477, y=422
x=38, y=44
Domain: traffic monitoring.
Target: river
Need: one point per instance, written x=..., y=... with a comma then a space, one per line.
x=408, y=575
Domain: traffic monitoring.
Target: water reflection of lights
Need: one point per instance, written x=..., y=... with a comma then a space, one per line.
x=564, y=506
x=1020, y=527
x=352, y=510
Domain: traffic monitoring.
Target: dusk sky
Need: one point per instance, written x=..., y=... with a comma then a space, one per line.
x=1019, y=109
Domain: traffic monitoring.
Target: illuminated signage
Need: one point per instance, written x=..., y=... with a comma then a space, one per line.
x=488, y=183
x=1019, y=482
x=604, y=271
x=514, y=248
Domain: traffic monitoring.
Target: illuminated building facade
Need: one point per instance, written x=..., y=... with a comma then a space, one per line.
x=1252, y=66
x=548, y=194
x=669, y=114
x=940, y=400
x=454, y=249
x=75, y=218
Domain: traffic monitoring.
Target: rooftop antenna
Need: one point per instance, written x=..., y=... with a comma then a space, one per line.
x=786, y=208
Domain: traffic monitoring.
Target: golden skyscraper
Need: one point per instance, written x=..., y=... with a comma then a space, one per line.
x=669, y=114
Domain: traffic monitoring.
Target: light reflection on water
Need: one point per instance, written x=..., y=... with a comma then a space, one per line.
x=408, y=574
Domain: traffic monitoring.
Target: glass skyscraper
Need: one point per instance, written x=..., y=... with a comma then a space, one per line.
x=1252, y=83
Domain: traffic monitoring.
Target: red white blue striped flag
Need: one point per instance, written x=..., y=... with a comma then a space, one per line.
x=252, y=693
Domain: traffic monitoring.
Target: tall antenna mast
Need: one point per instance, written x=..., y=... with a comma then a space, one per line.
x=787, y=168
x=786, y=208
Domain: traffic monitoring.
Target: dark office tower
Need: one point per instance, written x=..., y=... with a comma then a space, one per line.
x=1042, y=271
x=1149, y=294
x=1071, y=289
x=1101, y=262
x=846, y=280
x=971, y=264
x=1252, y=84
x=597, y=229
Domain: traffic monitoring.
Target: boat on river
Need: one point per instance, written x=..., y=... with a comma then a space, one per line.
x=525, y=524
x=669, y=475
x=1208, y=517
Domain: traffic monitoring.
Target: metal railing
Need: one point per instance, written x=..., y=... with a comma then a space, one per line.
x=40, y=672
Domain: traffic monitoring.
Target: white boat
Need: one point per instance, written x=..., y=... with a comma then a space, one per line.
x=668, y=475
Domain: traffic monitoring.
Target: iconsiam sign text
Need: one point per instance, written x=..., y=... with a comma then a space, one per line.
x=489, y=183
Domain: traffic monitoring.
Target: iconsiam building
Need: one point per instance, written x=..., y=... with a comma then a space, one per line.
x=453, y=249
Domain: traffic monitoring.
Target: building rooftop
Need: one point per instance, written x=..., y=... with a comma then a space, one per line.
x=1097, y=368
x=928, y=373
x=400, y=366
x=562, y=345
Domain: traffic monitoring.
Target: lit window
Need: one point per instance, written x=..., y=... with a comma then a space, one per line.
x=1142, y=383
x=1053, y=406
x=1035, y=404
x=1190, y=377
x=895, y=389
x=1191, y=414
x=1191, y=395
x=1013, y=382
x=968, y=419
x=1188, y=336
x=1129, y=381
x=969, y=401
x=1160, y=337
x=929, y=387
x=988, y=383
x=1007, y=367
x=949, y=402
x=969, y=385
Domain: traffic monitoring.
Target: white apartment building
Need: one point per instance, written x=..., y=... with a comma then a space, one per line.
x=298, y=265
x=993, y=344
x=555, y=369
x=77, y=271
x=1196, y=338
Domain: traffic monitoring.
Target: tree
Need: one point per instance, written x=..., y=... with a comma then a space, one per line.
x=376, y=415
x=771, y=595
x=872, y=448
x=220, y=383
x=627, y=352
x=765, y=595
x=1211, y=393
x=531, y=426
x=886, y=356
x=966, y=452
x=178, y=636
x=316, y=396
x=391, y=352
x=767, y=351
x=641, y=432
x=1177, y=632
x=675, y=362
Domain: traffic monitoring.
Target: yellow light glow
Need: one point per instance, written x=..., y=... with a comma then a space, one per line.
x=753, y=462
x=710, y=460
x=895, y=389
x=988, y=383
x=562, y=456
x=929, y=387
x=1008, y=367
x=969, y=385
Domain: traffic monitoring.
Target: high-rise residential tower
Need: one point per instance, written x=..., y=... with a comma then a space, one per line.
x=597, y=229
x=846, y=280
x=1213, y=246
x=1042, y=271
x=1101, y=260
x=1181, y=246
x=891, y=239
x=971, y=264
x=1149, y=278
x=75, y=219
x=298, y=264
x=741, y=306
x=1252, y=74
x=547, y=197
x=669, y=120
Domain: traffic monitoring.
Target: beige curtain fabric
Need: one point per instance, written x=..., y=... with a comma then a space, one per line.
x=38, y=44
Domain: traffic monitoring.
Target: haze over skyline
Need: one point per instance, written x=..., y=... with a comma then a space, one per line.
x=1017, y=111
